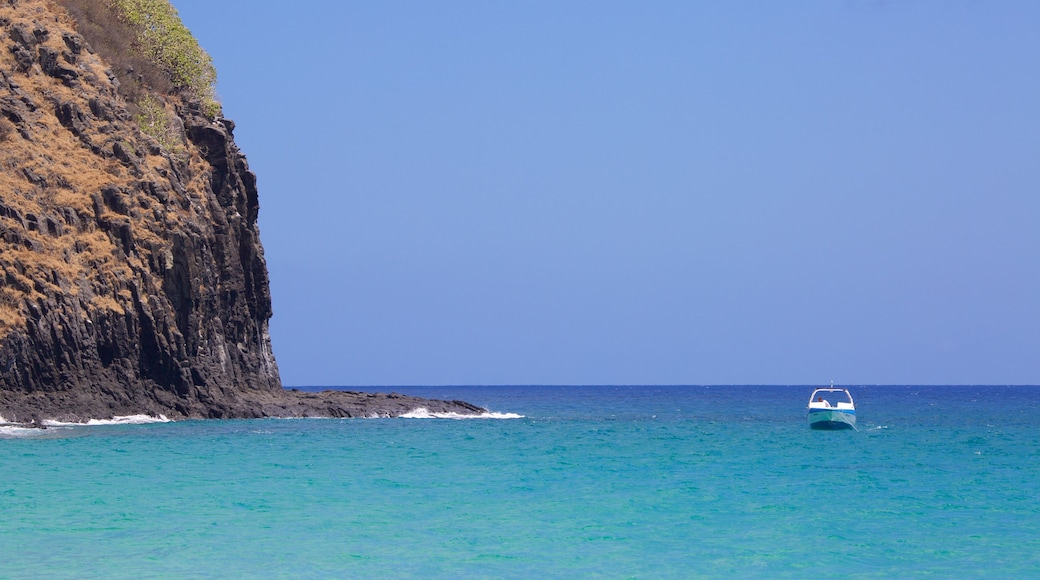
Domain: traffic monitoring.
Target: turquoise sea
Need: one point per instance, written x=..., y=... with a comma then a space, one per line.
x=610, y=482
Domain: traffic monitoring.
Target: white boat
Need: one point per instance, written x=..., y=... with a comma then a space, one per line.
x=831, y=408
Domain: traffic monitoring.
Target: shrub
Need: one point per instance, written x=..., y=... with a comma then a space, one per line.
x=167, y=42
x=115, y=40
x=152, y=118
x=148, y=47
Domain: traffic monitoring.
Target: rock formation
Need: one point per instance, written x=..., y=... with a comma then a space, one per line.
x=132, y=278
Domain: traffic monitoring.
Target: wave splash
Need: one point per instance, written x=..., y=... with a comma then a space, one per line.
x=424, y=413
x=10, y=431
x=117, y=420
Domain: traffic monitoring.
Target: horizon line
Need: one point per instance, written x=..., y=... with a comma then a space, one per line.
x=438, y=385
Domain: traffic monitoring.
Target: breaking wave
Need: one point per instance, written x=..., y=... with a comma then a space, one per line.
x=9, y=431
x=118, y=420
x=424, y=413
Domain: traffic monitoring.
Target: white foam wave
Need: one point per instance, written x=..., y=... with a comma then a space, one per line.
x=424, y=413
x=118, y=420
x=10, y=431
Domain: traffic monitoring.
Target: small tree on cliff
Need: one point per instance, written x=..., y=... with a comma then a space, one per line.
x=166, y=42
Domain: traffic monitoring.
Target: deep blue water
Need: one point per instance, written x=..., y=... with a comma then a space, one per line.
x=615, y=482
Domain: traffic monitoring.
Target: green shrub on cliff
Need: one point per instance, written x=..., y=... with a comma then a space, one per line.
x=153, y=119
x=167, y=43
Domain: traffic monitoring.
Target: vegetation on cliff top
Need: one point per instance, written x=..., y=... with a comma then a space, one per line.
x=170, y=45
x=149, y=49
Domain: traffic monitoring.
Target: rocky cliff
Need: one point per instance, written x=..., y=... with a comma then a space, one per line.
x=132, y=278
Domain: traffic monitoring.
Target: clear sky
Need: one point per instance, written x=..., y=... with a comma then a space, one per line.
x=564, y=192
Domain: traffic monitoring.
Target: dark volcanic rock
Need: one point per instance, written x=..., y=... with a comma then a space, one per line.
x=132, y=277
x=79, y=405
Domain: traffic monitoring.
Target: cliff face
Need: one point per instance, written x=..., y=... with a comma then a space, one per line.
x=132, y=278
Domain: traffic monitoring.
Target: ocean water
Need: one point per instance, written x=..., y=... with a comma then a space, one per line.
x=610, y=482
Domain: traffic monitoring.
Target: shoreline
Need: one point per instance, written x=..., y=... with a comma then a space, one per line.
x=36, y=409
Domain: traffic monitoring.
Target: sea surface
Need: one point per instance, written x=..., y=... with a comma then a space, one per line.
x=591, y=481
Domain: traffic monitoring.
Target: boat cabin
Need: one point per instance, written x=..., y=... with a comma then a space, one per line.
x=833, y=398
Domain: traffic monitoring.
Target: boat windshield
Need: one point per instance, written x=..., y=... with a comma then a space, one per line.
x=830, y=397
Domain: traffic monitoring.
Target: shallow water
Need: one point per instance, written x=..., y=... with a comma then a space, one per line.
x=643, y=482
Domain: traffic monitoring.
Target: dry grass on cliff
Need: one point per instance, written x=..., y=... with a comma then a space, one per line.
x=10, y=316
x=45, y=179
x=54, y=153
x=53, y=243
x=6, y=129
x=114, y=39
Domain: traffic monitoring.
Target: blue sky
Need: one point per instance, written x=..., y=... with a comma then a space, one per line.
x=642, y=192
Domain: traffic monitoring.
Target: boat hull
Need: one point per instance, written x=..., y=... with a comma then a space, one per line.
x=832, y=419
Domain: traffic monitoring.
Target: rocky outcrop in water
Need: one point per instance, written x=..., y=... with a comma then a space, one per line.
x=132, y=277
